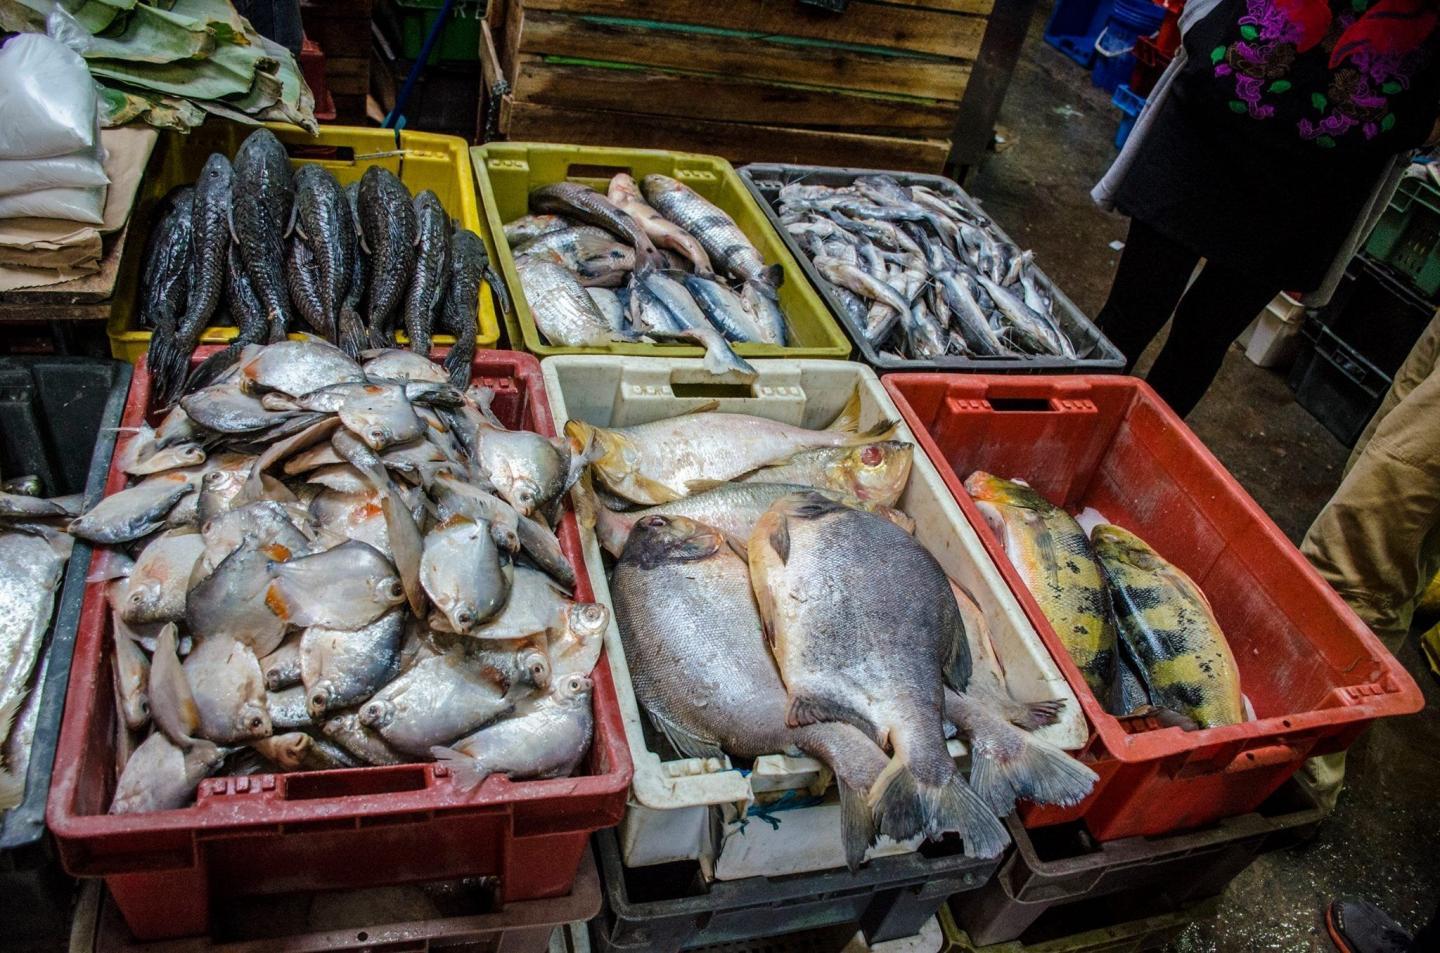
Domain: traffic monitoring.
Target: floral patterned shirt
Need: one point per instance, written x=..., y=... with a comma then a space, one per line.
x=1360, y=75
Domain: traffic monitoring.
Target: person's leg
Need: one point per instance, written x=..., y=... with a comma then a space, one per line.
x=1429, y=936
x=1218, y=306
x=1417, y=367
x=1377, y=542
x=1148, y=283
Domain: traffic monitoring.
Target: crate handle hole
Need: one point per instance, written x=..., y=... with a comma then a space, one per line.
x=362, y=936
x=1032, y=405
x=712, y=391
x=585, y=170
x=320, y=153
x=356, y=781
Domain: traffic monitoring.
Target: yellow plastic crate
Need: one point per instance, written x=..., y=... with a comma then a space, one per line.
x=422, y=160
x=509, y=171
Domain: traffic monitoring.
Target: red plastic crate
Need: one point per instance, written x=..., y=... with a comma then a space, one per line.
x=318, y=830
x=1167, y=40
x=312, y=67
x=1314, y=673
x=1150, y=61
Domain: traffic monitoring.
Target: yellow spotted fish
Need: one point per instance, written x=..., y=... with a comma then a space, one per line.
x=1049, y=550
x=1171, y=631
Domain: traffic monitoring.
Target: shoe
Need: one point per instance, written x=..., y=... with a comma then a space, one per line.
x=1358, y=926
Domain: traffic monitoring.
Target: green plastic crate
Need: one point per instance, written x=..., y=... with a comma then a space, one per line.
x=1407, y=237
x=459, y=41
x=508, y=172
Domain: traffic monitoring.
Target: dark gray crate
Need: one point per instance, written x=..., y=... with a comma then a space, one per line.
x=1096, y=353
x=57, y=420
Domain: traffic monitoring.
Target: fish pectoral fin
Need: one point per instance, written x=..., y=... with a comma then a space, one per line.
x=739, y=547
x=700, y=486
x=809, y=710
x=657, y=491
x=685, y=741
x=779, y=537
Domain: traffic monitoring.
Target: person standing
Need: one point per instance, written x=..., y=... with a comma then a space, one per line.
x=1267, y=149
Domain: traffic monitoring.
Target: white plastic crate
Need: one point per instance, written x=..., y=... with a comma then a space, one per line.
x=694, y=808
x=1273, y=338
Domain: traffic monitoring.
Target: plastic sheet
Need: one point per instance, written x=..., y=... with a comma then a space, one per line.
x=47, y=99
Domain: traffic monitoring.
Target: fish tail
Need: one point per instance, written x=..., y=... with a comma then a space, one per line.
x=467, y=771
x=207, y=370
x=894, y=800
x=353, y=336
x=12, y=791
x=857, y=825
x=1030, y=768
x=953, y=806
x=848, y=420
x=166, y=361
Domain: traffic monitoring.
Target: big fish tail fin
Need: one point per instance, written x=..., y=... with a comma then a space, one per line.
x=857, y=825
x=953, y=806
x=894, y=800
x=466, y=771
x=1032, y=769
x=848, y=420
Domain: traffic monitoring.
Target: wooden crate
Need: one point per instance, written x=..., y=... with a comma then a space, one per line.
x=878, y=84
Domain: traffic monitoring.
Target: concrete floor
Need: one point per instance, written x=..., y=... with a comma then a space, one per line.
x=1383, y=840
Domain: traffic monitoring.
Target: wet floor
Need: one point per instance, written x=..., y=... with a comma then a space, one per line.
x=1383, y=840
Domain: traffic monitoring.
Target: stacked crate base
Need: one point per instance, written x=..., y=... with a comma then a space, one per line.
x=342, y=29
x=879, y=83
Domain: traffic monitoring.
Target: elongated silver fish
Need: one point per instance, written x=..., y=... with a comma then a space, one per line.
x=726, y=245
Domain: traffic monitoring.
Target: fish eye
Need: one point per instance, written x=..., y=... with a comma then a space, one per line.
x=377, y=433
x=871, y=456
x=464, y=618
x=256, y=723
x=653, y=522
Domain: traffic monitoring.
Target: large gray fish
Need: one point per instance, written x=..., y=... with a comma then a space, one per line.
x=133, y=512
x=625, y=193
x=459, y=314
x=432, y=265
x=228, y=689
x=716, y=231
x=563, y=312
x=695, y=645
x=303, y=280
x=160, y=776
x=323, y=223
x=525, y=229
x=871, y=652
x=30, y=571
x=210, y=237
x=250, y=320
x=664, y=460
x=341, y=668
x=298, y=367
x=549, y=741
x=164, y=285
x=725, y=309
x=438, y=700
x=388, y=234
x=263, y=195
x=351, y=333
x=587, y=205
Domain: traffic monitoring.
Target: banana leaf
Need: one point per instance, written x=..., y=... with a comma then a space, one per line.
x=152, y=35
x=28, y=16
x=123, y=106
x=297, y=101
x=219, y=17
x=228, y=71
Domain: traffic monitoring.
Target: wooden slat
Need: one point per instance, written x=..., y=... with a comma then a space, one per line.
x=340, y=37
x=867, y=24
x=736, y=142
x=543, y=32
x=727, y=99
x=982, y=7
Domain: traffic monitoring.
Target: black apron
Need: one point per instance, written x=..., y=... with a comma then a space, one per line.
x=1280, y=124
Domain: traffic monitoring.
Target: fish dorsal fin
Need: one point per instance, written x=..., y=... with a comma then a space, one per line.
x=708, y=406
x=701, y=486
x=739, y=547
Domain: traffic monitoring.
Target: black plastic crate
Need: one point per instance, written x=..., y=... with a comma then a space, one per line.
x=1377, y=314
x=667, y=908
x=57, y=420
x=1338, y=386
x=1051, y=872
x=1096, y=354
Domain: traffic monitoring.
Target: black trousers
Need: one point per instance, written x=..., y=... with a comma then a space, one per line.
x=1148, y=287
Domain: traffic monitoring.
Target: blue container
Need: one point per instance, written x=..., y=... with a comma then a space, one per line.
x=1114, y=47
x=1074, y=25
x=1130, y=105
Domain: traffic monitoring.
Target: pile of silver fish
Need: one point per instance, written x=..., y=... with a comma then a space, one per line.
x=34, y=549
x=770, y=599
x=261, y=243
x=324, y=563
x=1140, y=630
x=920, y=274
x=664, y=265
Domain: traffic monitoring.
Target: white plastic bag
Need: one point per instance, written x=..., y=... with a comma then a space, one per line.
x=47, y=99
x=78, y=170
x=74, y=205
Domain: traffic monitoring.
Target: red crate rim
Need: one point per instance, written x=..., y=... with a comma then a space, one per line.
x=608, y=744
x=1124, y=746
